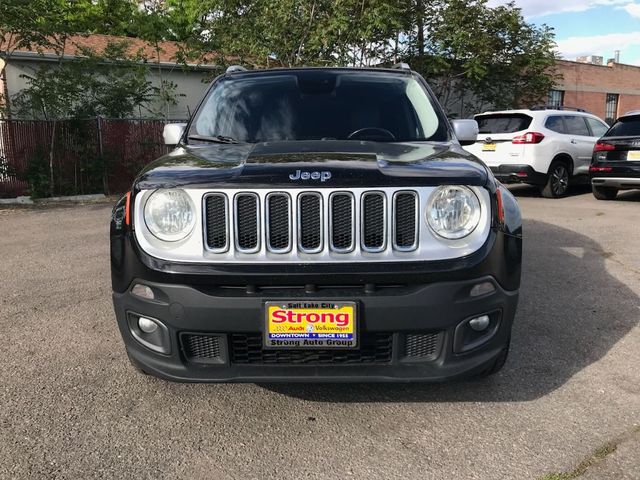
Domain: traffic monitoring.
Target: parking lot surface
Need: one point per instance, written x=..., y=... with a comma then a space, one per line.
x=72, y=407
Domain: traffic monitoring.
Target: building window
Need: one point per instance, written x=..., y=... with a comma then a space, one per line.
x=555, y=98
x=611, y=108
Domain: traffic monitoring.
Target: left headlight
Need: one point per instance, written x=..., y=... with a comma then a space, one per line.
x=170, y=214
x=453, y=211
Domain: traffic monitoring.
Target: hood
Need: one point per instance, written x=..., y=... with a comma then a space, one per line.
x=314, y=164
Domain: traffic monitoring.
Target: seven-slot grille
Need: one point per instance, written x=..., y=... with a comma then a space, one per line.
x=312, y=222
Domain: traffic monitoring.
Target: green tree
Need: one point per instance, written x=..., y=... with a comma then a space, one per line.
x=474, y=56
x=111, y=84
x=480, y=55
x=469, y=52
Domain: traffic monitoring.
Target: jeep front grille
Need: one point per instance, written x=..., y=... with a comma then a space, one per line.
x=311, y=225
x=337, y=227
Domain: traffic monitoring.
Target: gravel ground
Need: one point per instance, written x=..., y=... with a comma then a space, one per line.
x=72, y=407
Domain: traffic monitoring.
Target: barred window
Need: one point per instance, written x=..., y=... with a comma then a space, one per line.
x=611, y=108
x=555, y=98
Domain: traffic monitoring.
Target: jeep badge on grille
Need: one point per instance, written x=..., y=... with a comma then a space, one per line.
x=300, y=175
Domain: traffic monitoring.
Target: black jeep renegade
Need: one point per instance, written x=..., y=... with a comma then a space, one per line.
x=317, y=225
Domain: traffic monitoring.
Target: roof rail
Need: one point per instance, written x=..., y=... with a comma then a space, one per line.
x=559, y=107
x=236, y=68
x=402, y=66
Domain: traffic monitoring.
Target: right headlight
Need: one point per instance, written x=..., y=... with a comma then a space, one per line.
x=453, y=211
x=170, y=214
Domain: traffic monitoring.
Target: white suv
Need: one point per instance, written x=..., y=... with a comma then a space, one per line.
x=542, y=146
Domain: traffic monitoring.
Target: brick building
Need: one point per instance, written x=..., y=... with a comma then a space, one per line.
x=604, y=90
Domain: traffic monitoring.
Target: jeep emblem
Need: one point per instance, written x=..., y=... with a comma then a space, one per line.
x=300, y=175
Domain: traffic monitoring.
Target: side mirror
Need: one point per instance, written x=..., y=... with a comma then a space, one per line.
x=173, y=132
x=466, y=131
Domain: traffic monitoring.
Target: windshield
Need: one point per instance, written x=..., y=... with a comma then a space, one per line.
x=318, y=105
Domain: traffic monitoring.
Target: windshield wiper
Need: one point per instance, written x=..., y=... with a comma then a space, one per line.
x=213, y=138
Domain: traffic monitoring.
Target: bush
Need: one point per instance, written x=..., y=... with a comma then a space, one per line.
x=37, y=173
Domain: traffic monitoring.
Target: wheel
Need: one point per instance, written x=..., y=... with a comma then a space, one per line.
x=498, y=362
x=557, y=180
x=604, y=193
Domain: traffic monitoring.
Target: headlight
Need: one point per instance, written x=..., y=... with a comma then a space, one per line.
x=169, y=214
x=453, y=211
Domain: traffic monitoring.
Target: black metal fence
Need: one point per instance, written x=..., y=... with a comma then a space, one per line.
x=71, y=156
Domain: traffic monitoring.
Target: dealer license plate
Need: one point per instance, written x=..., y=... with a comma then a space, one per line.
x=304, y=324
x=633, y=155
x=489, y=147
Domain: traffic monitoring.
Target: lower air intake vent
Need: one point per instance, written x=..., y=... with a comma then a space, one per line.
x=202, y=348
x=374, y=348
x=422, y=346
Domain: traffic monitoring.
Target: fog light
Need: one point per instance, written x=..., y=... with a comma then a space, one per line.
x=142, y=291
x=149, y=326
x=479, y=323
x=481, y=289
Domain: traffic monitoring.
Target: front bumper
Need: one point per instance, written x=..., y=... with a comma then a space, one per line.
x=430, y=311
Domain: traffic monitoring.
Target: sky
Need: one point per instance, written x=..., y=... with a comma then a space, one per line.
x=588, y=27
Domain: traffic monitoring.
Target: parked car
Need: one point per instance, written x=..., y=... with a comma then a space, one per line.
x=616, y=158
x=543, y=146
x=317, y=225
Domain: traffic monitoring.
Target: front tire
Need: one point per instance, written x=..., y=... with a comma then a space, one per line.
x=604, y=193
x=557, y=181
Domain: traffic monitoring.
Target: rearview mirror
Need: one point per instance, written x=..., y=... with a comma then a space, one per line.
x=173, y=132
x=466, y=131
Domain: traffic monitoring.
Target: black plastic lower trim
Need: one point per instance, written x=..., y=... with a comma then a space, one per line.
x=519, y=174
x=421, y=309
